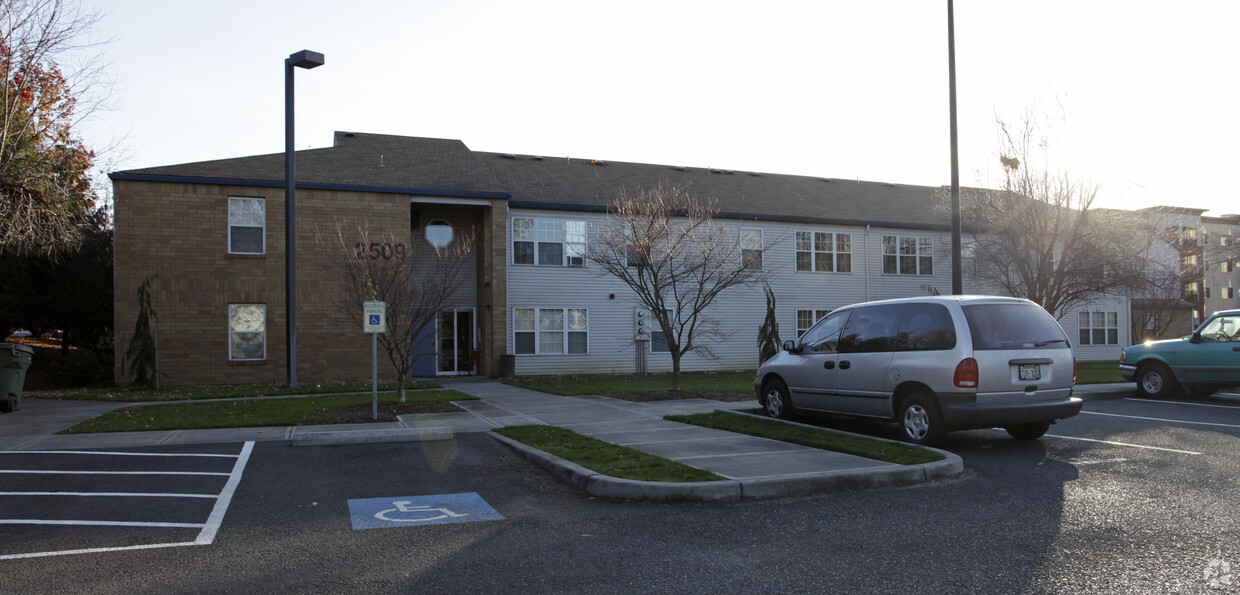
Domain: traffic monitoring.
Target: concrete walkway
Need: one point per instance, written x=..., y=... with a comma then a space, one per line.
x=752, y=467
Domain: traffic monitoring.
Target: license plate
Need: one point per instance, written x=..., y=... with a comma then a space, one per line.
x=1030, y=372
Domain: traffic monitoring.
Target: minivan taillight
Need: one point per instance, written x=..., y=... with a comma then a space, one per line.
x=966, y=374
x=1074, y=368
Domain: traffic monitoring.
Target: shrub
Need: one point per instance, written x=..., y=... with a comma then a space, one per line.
x=75, y=369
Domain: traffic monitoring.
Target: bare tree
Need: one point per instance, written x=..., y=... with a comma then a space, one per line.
x=45, y=187
x=416, y=279
x=1036, y=236
x=669, y=248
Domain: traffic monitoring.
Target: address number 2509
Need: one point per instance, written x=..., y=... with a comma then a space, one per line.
x=377, y=250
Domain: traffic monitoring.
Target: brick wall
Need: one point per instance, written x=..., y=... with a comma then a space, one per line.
x=180, y=233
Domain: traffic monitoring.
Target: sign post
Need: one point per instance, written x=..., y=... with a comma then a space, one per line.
x=374, y=315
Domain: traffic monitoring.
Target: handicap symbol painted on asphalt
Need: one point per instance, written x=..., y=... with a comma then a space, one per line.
x=408, y=511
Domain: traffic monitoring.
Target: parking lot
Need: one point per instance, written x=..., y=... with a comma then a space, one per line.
x=1131, y=495
x=71, y=502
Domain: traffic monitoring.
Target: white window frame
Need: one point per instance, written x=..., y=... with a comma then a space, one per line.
x=232, y=331
x=566, y=329
x=923, y=253
x=811, y=316
x=234, y=221
x=1092, y=322
x=569, y=234
x=751, y=241
x=831, y=257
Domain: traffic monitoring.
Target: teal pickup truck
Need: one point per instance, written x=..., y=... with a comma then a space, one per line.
x=1198, y=364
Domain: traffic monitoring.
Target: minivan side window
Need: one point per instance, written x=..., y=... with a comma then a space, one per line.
x=823, y=337
x=872, y=329
x=926, y=327
x=1013, y=326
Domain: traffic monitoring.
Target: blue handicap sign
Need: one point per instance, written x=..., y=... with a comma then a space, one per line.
x=409, y=511
x=374, y=319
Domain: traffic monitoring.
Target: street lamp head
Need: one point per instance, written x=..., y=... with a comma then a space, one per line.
x=305, y=59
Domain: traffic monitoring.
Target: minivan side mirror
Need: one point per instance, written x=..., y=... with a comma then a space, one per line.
x=791, y=347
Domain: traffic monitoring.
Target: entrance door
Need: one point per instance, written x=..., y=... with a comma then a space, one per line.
x=455, y=337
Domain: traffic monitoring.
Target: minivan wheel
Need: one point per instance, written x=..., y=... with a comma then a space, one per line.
x=775, y=400
x=1156, y=380
x=920, y=420
x=1029, y=431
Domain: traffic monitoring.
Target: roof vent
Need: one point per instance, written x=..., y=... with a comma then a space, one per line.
x=716, y=171
x=679, y=168
x=596, y=162
x=508, y=156
x=381, y=161
x=538, y=158
x=755, y=174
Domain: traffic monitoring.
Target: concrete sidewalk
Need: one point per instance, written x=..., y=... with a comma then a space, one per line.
x=752, y=467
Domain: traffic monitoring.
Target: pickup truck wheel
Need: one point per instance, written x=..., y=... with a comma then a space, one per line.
x=1156, y=380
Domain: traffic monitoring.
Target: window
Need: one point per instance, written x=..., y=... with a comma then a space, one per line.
x=1229, y=292
x=1098, y=328
x=247, y=332
x=439, y=233
x=751, y=247
x=824, y=336
x=823, y=252
x=658, y=339
x=1207, y=292
x=549, y=242
x=807, y=318
x=1229, y=266
x=906, y=255
x=246, y=225
x=550, y=331
x=926, y=327
x=872, y=329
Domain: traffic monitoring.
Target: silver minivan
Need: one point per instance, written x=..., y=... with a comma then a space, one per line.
x=932, y=364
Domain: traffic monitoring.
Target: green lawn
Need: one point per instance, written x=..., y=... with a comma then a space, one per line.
x=601, y=384
x=243, y=413
x=880, y=450
x=604, y=457
x=195, y=393
x=1098, y=372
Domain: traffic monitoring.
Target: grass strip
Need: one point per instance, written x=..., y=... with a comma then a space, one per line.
x=602, y=384
x=197, y=393
x=605, y=457
x=241, y=413
x=1098, y=372
x=879, y=450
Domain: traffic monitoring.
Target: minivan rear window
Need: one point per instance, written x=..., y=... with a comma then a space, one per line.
x=1013, y=326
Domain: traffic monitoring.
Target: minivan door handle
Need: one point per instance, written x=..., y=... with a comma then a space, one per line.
x=829, y=364
x=844, y=365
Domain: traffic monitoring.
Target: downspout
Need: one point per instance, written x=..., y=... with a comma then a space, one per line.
x=866, y=258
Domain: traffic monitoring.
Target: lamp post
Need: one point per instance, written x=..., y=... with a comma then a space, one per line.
x=303, y=59
x=957, y=271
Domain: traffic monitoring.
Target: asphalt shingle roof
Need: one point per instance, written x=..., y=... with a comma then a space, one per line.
x=411, y=163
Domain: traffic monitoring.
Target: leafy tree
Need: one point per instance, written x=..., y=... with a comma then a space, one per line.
x=669, y=248
x=44, y=184
x=416, y=280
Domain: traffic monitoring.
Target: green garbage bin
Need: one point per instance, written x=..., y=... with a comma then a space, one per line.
x=14, y=360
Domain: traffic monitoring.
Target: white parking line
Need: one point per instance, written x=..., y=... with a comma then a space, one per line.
x=208, y=529
x=1177, y=403
x=53, y=472
x=114, y=454
x=114, y=494
x=1186, y=452
x=1174, y=421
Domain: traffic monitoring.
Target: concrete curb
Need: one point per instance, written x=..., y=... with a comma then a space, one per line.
x=606, y=486
x=331, y=437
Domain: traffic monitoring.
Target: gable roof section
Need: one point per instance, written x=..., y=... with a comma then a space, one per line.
x=365, y=162
x=442, y=167
x=585, y=184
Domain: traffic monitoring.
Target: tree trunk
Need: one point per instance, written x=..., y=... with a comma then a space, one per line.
x=400, y=382
x=675, y=372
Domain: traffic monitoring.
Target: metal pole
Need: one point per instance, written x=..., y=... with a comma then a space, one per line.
x=290, y=253
x=957, y=275
x=374, y=375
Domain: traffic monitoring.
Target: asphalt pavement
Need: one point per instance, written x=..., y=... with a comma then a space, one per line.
x=752, y=467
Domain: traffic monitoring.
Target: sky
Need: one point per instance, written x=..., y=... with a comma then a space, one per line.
x=1143, y=95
